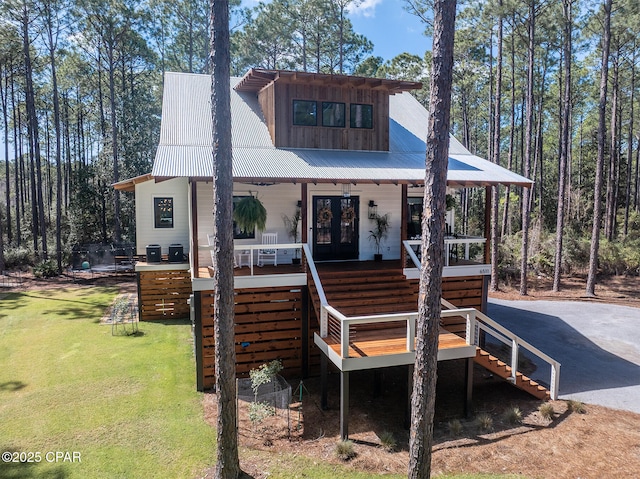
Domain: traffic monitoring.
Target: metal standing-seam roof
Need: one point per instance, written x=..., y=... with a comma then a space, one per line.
x=185, y=145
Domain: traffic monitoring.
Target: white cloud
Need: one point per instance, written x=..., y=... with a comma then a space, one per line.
x=365, y=8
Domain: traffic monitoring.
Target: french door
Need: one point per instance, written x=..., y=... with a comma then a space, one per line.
x=335, y=227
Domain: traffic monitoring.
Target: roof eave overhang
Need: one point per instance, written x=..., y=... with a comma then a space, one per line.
x=267, y=181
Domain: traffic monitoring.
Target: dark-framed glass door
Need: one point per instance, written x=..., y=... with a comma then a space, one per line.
x=335, y=227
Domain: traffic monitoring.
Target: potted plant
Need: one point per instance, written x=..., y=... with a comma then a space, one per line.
x=291, y=225
x=379, y=233
x=249, y=213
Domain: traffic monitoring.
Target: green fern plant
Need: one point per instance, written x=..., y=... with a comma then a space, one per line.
x=249, y=213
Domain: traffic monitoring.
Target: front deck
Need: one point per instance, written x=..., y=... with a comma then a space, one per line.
x=388, y=347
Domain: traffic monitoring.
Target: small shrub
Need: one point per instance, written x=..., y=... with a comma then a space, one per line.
x=46, y=269
x=484, y=422
x=546, y=411
x=387, y=441
x=264, y=374
x=345, y=450
x=18, y=258
x=455, y=427
x=259, y=411
x=576, y=406
x=513, y=415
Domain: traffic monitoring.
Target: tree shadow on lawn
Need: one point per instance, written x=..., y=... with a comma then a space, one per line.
x=12, y=386
x=28, y=470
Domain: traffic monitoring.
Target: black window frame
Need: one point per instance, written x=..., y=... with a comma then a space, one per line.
x=344, y=113
x=351, y=116
x=315, y=112
x=163, y=207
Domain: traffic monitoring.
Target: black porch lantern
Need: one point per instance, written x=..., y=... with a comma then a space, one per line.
x=373, y=210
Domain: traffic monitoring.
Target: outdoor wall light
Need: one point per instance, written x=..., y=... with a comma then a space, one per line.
x=299, y=204
x=373, y=210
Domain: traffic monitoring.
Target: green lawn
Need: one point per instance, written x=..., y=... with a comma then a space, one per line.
x=126, y=404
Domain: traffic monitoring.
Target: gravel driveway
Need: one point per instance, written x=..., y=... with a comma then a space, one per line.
x=598, y=346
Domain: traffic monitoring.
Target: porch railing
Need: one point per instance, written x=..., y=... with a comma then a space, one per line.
x=250, y=250
x=449, y=243
x=478, y=322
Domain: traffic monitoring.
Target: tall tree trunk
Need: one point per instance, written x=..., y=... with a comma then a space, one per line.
x=627, y=201
x=4, y=99
x=495, y=191
x=433, y=224
x=56, y=121
x=526, y=212
x=114, y=140
x=602, y=104
x=16, y=159
x=506, y=222
x=564, y=141
x=612, y=187
x=34, y=137
x=228, y=465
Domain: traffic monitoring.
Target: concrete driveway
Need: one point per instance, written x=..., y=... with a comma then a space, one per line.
x=598, y=346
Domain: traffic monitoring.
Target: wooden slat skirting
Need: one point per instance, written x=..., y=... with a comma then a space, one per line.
x=163, y=294
x=268, y=326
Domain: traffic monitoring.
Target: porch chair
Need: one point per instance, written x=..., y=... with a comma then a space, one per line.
x=268, y=254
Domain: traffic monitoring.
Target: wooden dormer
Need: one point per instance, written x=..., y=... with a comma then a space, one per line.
x=323, y=111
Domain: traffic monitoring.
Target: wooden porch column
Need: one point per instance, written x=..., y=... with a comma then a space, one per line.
x=303, y=212
x=487, y=224
x=403, y=223
x=194, y=222
x=344, y=405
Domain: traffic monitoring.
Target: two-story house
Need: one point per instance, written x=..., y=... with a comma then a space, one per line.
x=341, y=151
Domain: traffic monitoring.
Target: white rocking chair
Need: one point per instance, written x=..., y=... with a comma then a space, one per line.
x=268, y=254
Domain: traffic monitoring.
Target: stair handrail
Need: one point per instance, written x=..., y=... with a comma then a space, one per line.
x=482, y=321
x=326, y=309
x=324, y=315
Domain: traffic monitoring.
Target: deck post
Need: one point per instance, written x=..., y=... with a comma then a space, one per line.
x=344, y=405
x=323, y=382
x=305, y=332
x=468, y=387
x=407, y=407
x=377, y=383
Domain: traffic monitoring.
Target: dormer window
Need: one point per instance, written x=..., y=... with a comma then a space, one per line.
x=361, y=116
x=333, y=114
x=305, y=113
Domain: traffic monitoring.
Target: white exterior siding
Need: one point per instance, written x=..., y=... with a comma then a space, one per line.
x=389, y=200
x=146, y=232
x=280, y=199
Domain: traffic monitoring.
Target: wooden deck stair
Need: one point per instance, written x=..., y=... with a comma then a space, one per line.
x=362, y=292
x=378, y=291
x=503, y=370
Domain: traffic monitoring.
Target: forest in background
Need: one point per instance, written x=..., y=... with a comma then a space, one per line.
x=547, y=89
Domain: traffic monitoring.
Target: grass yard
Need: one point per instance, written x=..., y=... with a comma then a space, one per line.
x=127, y=404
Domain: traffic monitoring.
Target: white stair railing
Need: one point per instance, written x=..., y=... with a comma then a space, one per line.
x=481, y=322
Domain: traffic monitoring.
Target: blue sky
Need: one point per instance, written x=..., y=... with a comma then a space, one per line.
x=390, y=27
